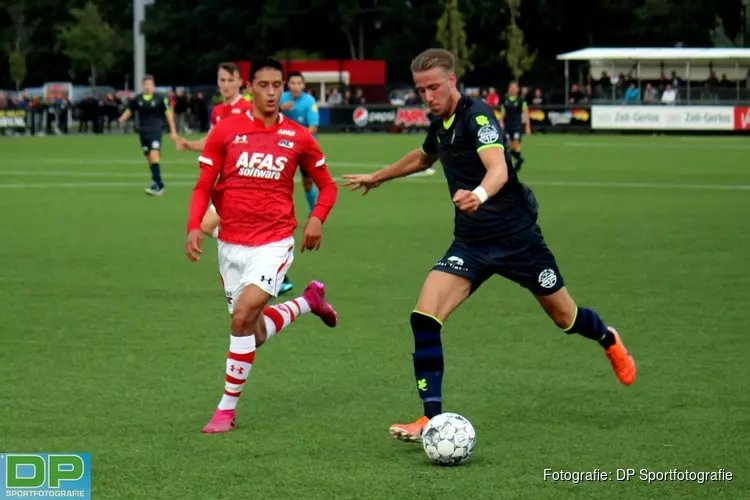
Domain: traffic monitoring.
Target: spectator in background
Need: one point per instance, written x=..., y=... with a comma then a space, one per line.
x=199, y=108
x=525, y=95
x=493, y=98
x=675, y=80
x=335, y=98
x=84, y=114
x=650, y=95
x=181, y=108
x=576, y=96
x=110, y=111
x=63, y=108
x=359, y=97
x=633, y=94
x=348, y=99
x=538, y=98
x=669, y=96
x=37, y=115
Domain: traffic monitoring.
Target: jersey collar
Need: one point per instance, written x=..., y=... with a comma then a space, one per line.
x=249, y=114
x=236, y=100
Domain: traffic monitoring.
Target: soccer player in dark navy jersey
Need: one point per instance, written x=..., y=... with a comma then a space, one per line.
x=152, y=110
x=515, y=116
x=496, y=232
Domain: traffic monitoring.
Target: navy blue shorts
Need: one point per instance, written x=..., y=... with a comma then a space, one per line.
x=150, y=142
x=523, y=258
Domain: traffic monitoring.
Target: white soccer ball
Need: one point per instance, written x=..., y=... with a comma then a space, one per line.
x=448, y=439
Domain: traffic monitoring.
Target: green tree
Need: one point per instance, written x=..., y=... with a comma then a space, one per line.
x=18, y=45
x=517, y=54
x=451, y=34
x=17, y=67
x=89, y=41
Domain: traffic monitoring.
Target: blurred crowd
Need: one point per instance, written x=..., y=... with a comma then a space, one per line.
x=99, y=114
x=662, y=90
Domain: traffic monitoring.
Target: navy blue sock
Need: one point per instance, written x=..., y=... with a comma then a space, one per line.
x=428, y=362
x=588, y=324
x=518, y=159
x=156, y=175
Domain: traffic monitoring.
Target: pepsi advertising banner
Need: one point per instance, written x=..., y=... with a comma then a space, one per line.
x=379, y=118
x=405, y=118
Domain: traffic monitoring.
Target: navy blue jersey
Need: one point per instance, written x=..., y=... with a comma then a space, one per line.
x=151, y=110
x=513, y=110
x=457, y=143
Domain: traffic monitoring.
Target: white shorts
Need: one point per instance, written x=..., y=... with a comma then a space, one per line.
x=264, y=266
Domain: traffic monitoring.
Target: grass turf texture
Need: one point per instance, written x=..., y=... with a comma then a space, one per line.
x=113, y=343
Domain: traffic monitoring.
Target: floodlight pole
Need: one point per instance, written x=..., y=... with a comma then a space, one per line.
x=139, y=44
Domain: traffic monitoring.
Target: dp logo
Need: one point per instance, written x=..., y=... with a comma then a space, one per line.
x=66, y=475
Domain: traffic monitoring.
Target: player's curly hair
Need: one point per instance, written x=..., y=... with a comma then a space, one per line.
x=434, y=58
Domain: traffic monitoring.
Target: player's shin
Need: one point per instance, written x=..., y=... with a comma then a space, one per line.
x=156, y=175
x=279, y=316
x=428, y=361
x=587, y=323
x=239, y=362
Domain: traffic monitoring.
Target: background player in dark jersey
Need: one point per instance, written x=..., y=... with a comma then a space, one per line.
x=496, y=232
x=515, y=116
x=152, y=109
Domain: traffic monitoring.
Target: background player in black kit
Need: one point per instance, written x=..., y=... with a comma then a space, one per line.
x=152, y=110
x=515, y=116
x=496, y=232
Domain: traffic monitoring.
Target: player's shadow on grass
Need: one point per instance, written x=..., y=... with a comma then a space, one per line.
x=416, y=450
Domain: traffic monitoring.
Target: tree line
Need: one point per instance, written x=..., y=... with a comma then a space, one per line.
x=90, y=42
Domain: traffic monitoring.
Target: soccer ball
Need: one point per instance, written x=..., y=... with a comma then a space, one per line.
x=448, y=439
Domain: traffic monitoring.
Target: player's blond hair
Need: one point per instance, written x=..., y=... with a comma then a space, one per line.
x=434, y=58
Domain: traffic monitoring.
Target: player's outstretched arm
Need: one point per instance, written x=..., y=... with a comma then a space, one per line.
x=185, y=145
x=414, y=161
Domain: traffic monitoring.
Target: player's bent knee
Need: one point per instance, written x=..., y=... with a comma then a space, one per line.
x=248, y=308
x=560, y=307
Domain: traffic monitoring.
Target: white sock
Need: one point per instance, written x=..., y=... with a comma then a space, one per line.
x=239, y=362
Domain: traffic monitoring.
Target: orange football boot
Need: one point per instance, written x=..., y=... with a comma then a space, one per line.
x=622, y=362
x=409, y=432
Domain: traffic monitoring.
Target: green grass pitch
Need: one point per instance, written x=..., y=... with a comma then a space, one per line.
x=113, y=343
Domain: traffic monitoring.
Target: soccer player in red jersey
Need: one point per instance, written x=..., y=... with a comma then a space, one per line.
x=247, y=168
x=229, y=81
x=230, y=86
